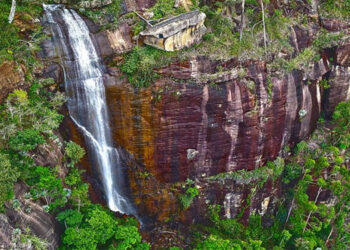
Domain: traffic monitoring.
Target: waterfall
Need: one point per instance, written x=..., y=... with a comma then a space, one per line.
x=86, y=99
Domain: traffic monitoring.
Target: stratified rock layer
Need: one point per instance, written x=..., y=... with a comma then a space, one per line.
x=236, y=124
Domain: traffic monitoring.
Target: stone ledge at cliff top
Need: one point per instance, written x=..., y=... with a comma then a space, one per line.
x=177, y=32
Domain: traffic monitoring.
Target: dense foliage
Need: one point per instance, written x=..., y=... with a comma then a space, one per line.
x=140, y=63
x=29, y=120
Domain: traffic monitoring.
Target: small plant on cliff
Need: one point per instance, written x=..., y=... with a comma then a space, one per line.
x=26, y=140
x=326, y=39
x=8, y=176
x=140, y=63
x=187, y=198
x=74, y=152
x=334, y=8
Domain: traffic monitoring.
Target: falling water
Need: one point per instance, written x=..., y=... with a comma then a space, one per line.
x=86, y=98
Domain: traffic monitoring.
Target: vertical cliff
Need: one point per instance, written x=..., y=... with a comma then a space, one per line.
x=204, y=116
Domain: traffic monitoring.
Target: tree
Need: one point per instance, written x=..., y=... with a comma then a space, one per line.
x=26, y=140
x=49, y=187
x=263, y=22
x=74, y=153
x=8, y=176
x=12, y=11
x=70, y=218
x=96, y=227
x=242, y=21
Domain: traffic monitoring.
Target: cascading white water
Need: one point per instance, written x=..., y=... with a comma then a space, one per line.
x=86, y=98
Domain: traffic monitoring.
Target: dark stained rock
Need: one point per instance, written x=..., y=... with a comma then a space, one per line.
x=55, y=72
x=47, y=49
x=342, y=55
x=301, y=37
x=334, y=24
x=339, y=91
x=160, y=124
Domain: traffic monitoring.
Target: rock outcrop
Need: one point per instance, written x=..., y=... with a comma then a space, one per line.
x=27, y=215
x=11, y=78
x=117, y=41
x=132, y=5
x=177, y=32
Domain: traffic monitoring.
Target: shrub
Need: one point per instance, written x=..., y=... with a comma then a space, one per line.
x=140, y=62
x=187, y=198
x=8, y=176
x=46, y=185
x=26, y=140
x=74, y=153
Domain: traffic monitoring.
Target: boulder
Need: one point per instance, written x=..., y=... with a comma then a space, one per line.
x=115, y=41
x=177, y=32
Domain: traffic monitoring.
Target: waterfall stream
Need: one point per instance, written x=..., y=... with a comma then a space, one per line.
x=86, y=99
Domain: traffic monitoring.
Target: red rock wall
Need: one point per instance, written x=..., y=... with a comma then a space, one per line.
x=227, y=126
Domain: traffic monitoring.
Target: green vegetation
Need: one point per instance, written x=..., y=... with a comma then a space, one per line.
x=301, y=61
x=12, y=44
x=107, y=16
x=94, y=227
x=165, y=9
x=187, y=198
x=28, y=123
x=74, y=152
x=334, y=8
x=88, y=226
x=222, y=39
x=25, y=122
x=8, y=177
x=47, y=185
x=141, y=61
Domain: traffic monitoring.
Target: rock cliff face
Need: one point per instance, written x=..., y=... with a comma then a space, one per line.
x=187, y=130
x=203, y=117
